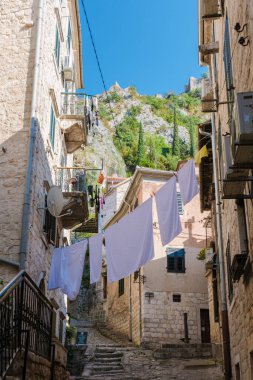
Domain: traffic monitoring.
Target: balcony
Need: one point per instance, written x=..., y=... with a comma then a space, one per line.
x=208, y=96
x=73, y=120
x=209, y=48
x=73, y=185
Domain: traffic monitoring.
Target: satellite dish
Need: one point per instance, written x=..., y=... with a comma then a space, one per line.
x=55, y=201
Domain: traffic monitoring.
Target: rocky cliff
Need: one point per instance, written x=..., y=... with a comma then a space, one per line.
x=117, y=137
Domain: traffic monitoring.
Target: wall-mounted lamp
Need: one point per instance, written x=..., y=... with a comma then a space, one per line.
x=149, y=295
x=244, y=41
x=238, y=27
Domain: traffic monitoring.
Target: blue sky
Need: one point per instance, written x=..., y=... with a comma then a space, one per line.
x=150, y=44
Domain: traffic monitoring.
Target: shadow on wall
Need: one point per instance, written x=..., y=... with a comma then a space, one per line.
x=13, y=164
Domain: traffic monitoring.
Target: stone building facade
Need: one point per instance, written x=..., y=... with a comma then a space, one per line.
x=154, y=304
x=225, y=39
x=50, y=28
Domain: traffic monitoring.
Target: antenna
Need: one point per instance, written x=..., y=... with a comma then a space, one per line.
x=55, y=201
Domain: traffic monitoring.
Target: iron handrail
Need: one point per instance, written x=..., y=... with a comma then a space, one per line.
x=24, y=309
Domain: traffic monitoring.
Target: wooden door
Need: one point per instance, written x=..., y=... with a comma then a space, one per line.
x=205, y=326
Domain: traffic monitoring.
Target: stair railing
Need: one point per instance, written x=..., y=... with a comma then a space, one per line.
x=25, y=322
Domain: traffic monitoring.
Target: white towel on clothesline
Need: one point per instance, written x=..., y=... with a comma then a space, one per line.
x=66, y=270
x=95, y=251
x=188, y=182
x=129, y=243
x=167, y=211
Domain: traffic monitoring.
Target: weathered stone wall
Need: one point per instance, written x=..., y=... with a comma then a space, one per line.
x=39, y=368
x=18, y=31
x=240, y=307
x=164, y=319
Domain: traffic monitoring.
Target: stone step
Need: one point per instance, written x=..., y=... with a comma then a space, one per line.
x=108, y=354
x=109, y=359
x=109, y=368
x=105, y=350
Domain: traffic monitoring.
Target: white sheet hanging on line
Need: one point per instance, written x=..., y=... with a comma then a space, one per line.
x=129, y=243
x=167, y=211
x=67, y=268
x=95, y=250
x=188, y=182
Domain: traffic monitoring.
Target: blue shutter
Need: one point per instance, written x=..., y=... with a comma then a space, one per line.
x=175, y=260
x=52, y=127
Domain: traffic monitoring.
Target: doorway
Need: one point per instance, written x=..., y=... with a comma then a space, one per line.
x=205, y=326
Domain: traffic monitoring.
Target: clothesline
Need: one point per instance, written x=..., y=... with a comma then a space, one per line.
x=129, y=242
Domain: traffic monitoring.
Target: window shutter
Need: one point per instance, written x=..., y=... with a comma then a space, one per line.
x=57, y=47
x=171, y=263
x=69, y=37
x=52, y=127
x=49, y=225
x=180, y=203
x=175, y=260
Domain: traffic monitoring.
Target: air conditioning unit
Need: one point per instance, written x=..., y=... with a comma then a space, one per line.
x=227, y=160
x=68, y=69
x=211, y=9
x=208, y=96
x=210, y=48
x=244, y=128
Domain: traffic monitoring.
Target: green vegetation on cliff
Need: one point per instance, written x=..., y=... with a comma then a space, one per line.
x=152, y=131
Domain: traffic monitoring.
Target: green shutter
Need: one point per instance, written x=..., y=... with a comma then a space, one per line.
x=52, y=127
x=57, y=47
x=69, y=37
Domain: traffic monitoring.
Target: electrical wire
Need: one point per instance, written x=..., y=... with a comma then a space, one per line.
x=98, y=62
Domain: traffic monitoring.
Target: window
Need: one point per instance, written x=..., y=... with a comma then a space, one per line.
x=60, y=330
x=180, y=203
x=227, y=58
x=237, y=372
x=49, y=226
x=136, y=275
x=251, y=365
x=215, y=290
x=57, y=47
x=176, y=297
x=229, y=274
x=121, y=287
x=104, y=287
x=176, y=260
x=69, y=37
x=52, y=127
x=242, y=226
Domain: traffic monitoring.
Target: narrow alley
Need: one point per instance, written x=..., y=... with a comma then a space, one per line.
x=106, y=359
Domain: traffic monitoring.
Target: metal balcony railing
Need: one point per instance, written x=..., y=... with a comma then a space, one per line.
x=25, y=322
x=70, y=180
x=78, y=104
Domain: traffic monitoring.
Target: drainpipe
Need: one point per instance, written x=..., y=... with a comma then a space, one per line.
x=33, y=129
x=224, y=308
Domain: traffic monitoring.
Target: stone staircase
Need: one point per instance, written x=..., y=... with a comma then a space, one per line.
x=106, y=364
